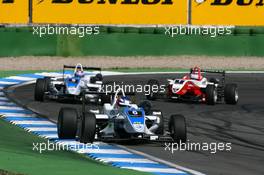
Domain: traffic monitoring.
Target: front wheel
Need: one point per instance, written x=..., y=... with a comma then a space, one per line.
x=88, y=128
x=177, y=128
x=231, y=94
x=40, y=89
x=67, y=123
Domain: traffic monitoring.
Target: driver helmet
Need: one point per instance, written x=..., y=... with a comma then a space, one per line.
x=196, y=73
x=123, y=101
x=78, y=71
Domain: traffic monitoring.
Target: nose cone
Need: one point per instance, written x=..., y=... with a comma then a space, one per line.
x=138, y=127
x=71, y=90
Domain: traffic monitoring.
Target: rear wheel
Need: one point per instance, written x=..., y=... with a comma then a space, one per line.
x=231, y=94
x=40, y=89
x=177, y=128
x=67, y=123
x=211, y=95
x=88, y=128
x=152, y=95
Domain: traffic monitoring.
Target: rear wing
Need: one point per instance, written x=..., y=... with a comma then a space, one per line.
x=84, y=68
x=221, y=86
x=213, y=71
x=221, y=72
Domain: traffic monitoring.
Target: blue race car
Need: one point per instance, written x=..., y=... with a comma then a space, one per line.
x=120, y=120
x=70, y=86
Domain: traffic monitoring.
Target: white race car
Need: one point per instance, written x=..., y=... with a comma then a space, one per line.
x=120, y=120
x=71, y=86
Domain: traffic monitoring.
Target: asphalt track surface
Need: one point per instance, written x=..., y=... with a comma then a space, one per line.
x=242, y=125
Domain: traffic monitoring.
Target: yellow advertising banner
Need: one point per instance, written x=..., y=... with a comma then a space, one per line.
x=14, y=11
x=110, y=11
x=228, y=12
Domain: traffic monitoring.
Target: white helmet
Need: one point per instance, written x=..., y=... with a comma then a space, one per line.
x=78, y=72
x=123, y=101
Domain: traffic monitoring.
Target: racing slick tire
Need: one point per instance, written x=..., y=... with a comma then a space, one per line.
x=231, y=94
x=47, y=83
x=67, y=123
x=211, y=95
x=152, y=95
x=40, y=89
x=88, y=128
x=177, y=128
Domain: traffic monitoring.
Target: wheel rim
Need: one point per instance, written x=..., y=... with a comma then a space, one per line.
x=215, y=96
x=236, y=95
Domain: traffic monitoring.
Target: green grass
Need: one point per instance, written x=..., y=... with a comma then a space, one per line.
x=17, y=72
x=17, y=156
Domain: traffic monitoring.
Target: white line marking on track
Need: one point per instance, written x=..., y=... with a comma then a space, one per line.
x=156, y=170
x=66, y=142
x=49, y=136
x=105, y=151
x=18, y=115
x=6, y=103
x=11, y=108
x=8, y=82
x=41, y=129
x=49, y=74
x=129, y=160
x=4, y=99
x=22, y=78
x=25, y=122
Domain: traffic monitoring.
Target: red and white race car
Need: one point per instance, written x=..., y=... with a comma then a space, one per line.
x=195, y=87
